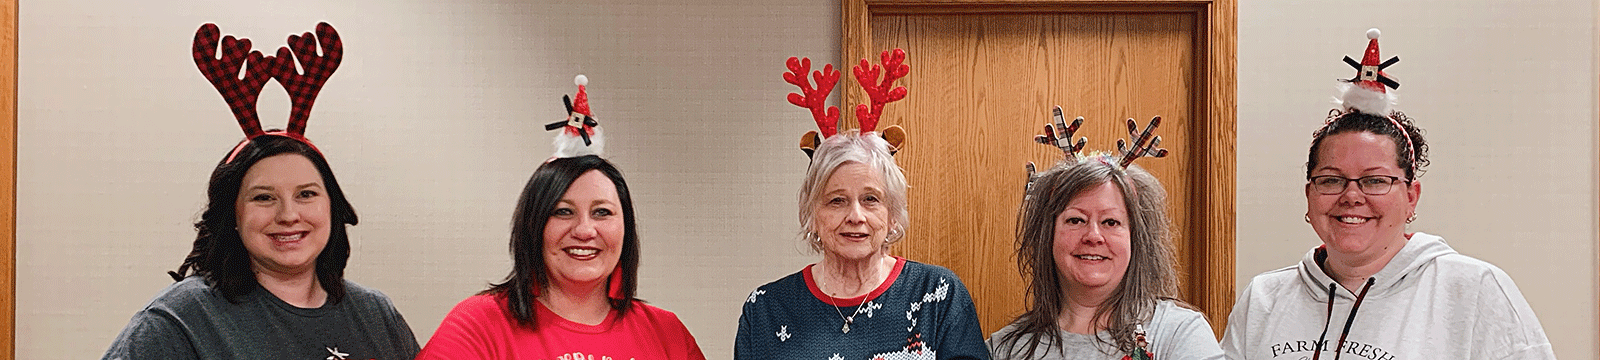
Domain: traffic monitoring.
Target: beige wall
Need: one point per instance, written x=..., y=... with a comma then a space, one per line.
x=434, y=123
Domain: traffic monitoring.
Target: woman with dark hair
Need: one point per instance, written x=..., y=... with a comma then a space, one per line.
x=1094, y=246
x=575, y=265
x=1417, y=298
x=265, y=279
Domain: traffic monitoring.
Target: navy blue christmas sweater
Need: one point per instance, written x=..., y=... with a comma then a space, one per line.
x=920, y=312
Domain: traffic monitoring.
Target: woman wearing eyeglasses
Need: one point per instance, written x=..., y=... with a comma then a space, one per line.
x=1372, y=290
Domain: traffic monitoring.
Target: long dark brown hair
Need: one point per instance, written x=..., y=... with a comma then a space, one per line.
x=534, y=208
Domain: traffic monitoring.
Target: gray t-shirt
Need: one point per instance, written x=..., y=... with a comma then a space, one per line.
x=1174, y=333
x=190, y=320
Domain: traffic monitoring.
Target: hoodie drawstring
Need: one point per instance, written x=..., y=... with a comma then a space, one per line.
x=1347, y=323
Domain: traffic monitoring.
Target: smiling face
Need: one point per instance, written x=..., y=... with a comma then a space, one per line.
x=283, y=214
x=1352, y=223
x=850, y=215
x=583, y=237
x=1092, y=240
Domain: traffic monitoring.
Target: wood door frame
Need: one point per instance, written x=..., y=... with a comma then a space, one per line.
x=8, y=186
x=1217, y=49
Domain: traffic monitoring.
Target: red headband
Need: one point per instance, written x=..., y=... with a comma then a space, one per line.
x=241, y=94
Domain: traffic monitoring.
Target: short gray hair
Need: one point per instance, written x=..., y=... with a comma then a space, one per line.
x=847, y=147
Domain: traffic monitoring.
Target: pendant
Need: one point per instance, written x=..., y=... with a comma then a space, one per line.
x=846, y=328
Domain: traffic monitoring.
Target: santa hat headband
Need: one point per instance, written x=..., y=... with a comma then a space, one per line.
x=1059, y=134
x=241, y=94
x=580, y=133
x=1368, y=92
x=880, y=92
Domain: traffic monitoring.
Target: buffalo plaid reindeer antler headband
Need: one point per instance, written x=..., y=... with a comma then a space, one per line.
x=880, y=92
x=1059, y=134
x=241, y=94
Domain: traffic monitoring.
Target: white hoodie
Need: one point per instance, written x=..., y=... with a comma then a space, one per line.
x=1429, y=302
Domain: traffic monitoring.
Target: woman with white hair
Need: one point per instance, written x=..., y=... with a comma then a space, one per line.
x=857, y=301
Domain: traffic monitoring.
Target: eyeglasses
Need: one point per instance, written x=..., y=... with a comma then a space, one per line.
x=1370, y=184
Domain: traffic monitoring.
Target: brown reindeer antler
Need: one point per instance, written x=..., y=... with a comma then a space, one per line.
x=1140, y=148
x=223, y=73
x=814, y=98
x=880, y=93
x=303, y=88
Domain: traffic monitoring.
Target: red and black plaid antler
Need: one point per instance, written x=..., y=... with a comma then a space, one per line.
x=303, y=88
x=1140, y=147
x=1060, y=135
x=223, y=73
x=880, y=93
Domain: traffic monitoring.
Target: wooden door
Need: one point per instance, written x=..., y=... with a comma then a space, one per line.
x=984, y=78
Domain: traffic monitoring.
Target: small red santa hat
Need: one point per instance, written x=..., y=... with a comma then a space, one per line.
x=581, y=103
x=1368, y=91
x=580, y=133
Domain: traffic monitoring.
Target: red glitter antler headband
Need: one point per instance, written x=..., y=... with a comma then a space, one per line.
x=241, y=94
x=880, y=92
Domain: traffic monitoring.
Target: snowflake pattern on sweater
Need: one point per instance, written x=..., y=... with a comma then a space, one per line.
x=929, y=316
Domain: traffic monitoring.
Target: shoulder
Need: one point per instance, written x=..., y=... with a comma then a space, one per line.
x=1466, y=267
x=187, y=297
x=365, y=296
x=780, y=290
x=994, y=338
x=658, y=317
x=1463, y=274
x=930, y=275
x=1172, y=316
x=1272, y=282
x=481, y=305
x=1171, y=309
x=653, y=312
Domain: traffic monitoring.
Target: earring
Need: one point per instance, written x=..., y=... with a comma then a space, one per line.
x=1308, y=218
x=894, y=236
x=615, y=283
x=815, y=240
x=1412, y=218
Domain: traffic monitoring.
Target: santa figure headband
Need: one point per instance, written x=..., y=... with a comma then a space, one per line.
x=1368, y=92
x=879, y=93
x=1059, y=134
x=580, y=132
x=241, y=94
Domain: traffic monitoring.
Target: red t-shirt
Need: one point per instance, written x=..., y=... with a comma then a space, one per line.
x=481, y=328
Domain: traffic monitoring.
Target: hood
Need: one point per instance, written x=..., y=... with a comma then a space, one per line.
x=1420, y=250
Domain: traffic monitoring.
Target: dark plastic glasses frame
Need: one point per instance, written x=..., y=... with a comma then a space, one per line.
x=1370, y=184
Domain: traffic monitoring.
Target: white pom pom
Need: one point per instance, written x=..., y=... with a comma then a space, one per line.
x=1373, y=33
x=584, y=80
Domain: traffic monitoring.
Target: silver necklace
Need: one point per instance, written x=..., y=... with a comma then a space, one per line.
x=833, y=301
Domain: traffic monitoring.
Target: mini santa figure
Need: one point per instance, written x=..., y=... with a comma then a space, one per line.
x=580, y=133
